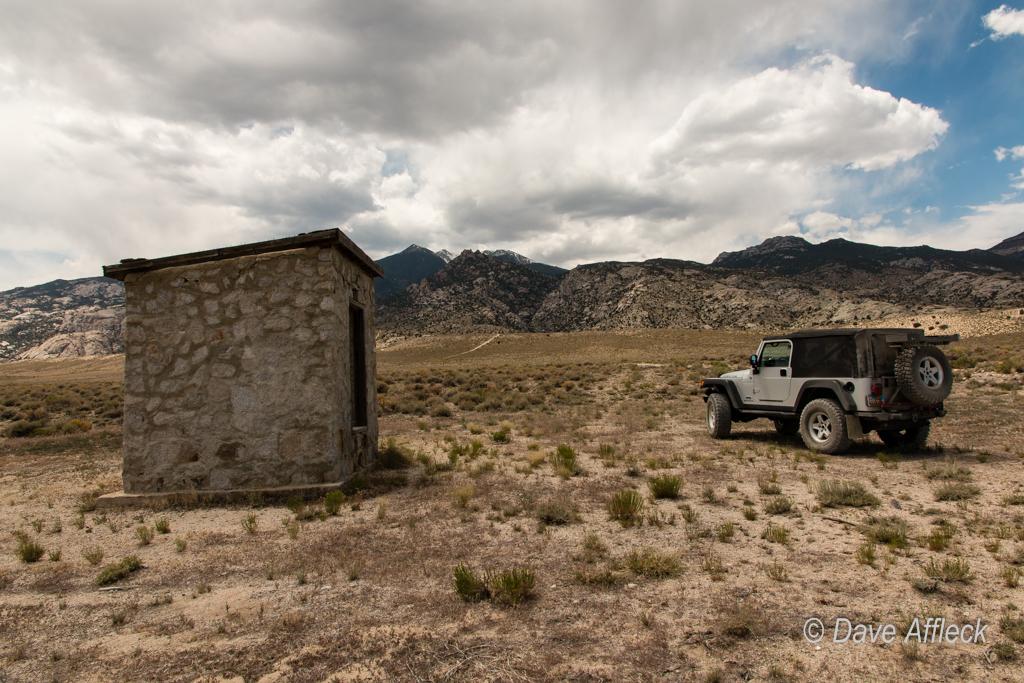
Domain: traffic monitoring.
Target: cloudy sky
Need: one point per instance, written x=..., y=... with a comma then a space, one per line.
x=569, y=131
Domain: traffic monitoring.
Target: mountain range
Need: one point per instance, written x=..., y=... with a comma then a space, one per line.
x=784, y=282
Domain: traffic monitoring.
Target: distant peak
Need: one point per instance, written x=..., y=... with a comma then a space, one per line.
x=445, y=255
x=413, y=248
x=507, y=255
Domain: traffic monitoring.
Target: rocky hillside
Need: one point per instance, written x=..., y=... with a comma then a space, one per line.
x=474, y=292
x=62, y=318
x=1011, y=246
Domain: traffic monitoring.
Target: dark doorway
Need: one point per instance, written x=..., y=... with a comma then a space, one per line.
x=357, y=339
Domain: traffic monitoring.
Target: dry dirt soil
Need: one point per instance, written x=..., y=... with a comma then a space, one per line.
x=714, y=585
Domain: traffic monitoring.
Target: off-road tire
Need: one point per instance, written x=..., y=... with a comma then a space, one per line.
x=924, y=375
x=719, y=416
x=910, y=439
x=823, y=427
x=787, y=427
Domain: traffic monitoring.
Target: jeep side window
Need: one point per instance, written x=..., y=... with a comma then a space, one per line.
x=775, y=355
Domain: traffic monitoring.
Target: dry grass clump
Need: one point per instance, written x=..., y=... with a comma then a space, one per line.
x=556, y=510
x=774, y=533
x=835, y=493
x=509, y=587
x=113, y=573
x=93, y=555
x=652, y=563
x=956, y=490
x=462, y=495
x=777, y=505
x=625, y=506
x=890, y=531
x=950, y=569
x=1012, y=628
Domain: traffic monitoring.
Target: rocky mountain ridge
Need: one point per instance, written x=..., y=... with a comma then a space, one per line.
x=785, y=282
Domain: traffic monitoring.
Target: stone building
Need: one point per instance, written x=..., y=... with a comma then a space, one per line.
x=249, y=367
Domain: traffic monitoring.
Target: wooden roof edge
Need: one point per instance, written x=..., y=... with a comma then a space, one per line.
x=332, y=237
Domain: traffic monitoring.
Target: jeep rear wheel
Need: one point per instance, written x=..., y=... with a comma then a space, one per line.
x=823, y=427
x=910, y=439
x=924, y=375
x=719, y=416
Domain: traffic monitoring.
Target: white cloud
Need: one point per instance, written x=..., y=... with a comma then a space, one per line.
x=812, y=115
x=571, y=131
x=1015, y=152
x=1004, y=21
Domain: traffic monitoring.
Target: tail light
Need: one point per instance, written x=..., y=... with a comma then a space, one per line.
x=876, y=389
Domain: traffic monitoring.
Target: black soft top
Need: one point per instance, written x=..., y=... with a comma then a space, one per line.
x=847, y=332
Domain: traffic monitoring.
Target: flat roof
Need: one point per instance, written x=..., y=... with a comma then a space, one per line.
x=321, y=238
x=848, y=332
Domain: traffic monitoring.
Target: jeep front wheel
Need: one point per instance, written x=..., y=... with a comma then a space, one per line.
x=719, y=416
x=924, y=375
x=910, y=439
x=823, y=427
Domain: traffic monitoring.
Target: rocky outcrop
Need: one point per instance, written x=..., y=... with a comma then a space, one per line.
x=62, y=318
x=90, y=331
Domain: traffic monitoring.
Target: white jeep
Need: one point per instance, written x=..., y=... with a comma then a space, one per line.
x=832, y=386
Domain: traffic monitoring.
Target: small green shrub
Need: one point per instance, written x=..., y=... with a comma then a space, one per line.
x=501, y=436
x=625, y=506
x=162, y=525
x=333, y=502
x=510, y=586
x=665, y=486
x=30, y=551
x=836, y=493
x=777, y=571
x=113, y=573
x=468, y=586
x=725, y=531
x=749, y=513
x=145, y=534
x=250, y=523
x=563, y=460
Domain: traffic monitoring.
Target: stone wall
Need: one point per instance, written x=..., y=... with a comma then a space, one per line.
x=237, y=373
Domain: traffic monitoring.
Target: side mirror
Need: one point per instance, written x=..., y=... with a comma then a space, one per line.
x=753, y=363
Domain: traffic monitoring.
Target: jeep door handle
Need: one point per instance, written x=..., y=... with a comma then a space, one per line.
x=782, y=373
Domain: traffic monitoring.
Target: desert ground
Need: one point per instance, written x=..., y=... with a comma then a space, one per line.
x=505, y=462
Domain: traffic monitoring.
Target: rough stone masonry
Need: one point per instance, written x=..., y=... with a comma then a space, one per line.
x=249, y=367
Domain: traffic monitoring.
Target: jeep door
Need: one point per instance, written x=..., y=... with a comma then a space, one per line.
x=774, y=377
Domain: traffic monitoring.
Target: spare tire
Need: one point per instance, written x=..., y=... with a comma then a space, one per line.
x=924, y=375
